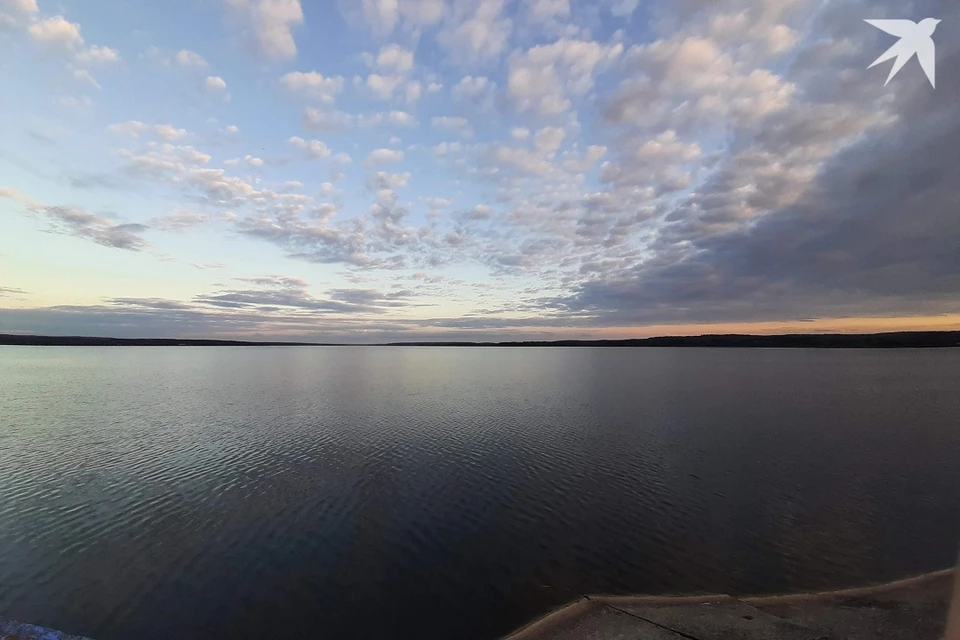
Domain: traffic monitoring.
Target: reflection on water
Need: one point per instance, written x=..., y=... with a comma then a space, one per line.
x=454, y=493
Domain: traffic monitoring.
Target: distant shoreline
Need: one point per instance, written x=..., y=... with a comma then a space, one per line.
x=895, y=340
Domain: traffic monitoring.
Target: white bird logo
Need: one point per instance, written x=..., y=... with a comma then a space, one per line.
x=914, y=39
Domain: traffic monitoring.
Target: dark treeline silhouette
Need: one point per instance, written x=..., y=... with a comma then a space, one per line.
x=904, y=339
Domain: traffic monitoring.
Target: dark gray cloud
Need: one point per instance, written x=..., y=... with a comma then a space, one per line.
x=846, y=203
x=77, y=222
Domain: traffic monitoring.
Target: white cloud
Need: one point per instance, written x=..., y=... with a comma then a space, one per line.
x=179, y=221
x=253, y=161
x=477, y=32
x=434, y=87
x=689, y=81
x=445, y=148
x=587, y=161
x=479, y=212
x=187, y=58
x=271, y=21
x=135, y=128
x=549, y=139
x=215, y=85
x=321, y=88
x=381, y=15
x=382, y=156
x=84, y=76
x=519, y=133
x=383, y=86
x=393, y=64
x=438, y=203
x=412, y=92
x=98, y=55
x=421, y=12
x=539, y=11
x=383, y=180
x=452, y=123
x=393, y=57
x=471, y=87
x=622, y=8
x=318, y=120
x=188, y=154
x=57, y=32
x=231, y=129
x=21, y=7
x=668, y=148
x=543, y=78
x=310, y=148
x=401, y=118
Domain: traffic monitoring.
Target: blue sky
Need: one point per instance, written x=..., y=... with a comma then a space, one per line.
x=436, y=168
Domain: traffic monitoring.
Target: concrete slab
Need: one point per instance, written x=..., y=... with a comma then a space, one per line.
x=594, y=621
x=912, y=609
x=917, y=611
x=723, y=620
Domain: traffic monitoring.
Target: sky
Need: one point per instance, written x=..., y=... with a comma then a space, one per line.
x=370, y=170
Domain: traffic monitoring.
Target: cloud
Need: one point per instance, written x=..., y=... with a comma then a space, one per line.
x=272, y=22
x=56, y=32
x=380, y=15
x=98, y=55
x=187, y=58
x=393, y=64
x=319, y=120
x=382, y=156
x=84, y=76
x=544, y=10
x=215, y=85
x=477, y=31
x=21, y=7
x=314, y=85
x=544, y=78
x=79, y=223
x=180, y=221
x=78, y=103
x=383, y=180
x=393, y=57
x=135, y=128
x=412, y=91
x=471, y=87
x=621, y=8
x=452, y=123
x=383, y=86
x=310, y=148
x=479, y=212
x=421, y=13
x=401, y=118
x=11, y=291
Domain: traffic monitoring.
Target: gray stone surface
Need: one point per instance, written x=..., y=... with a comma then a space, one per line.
x=729, y=620
x=600, y=622
x=913, y=609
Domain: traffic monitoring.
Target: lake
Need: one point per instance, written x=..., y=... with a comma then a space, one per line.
x=437, y=493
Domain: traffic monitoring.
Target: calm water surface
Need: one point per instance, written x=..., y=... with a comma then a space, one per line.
x=453, y=493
